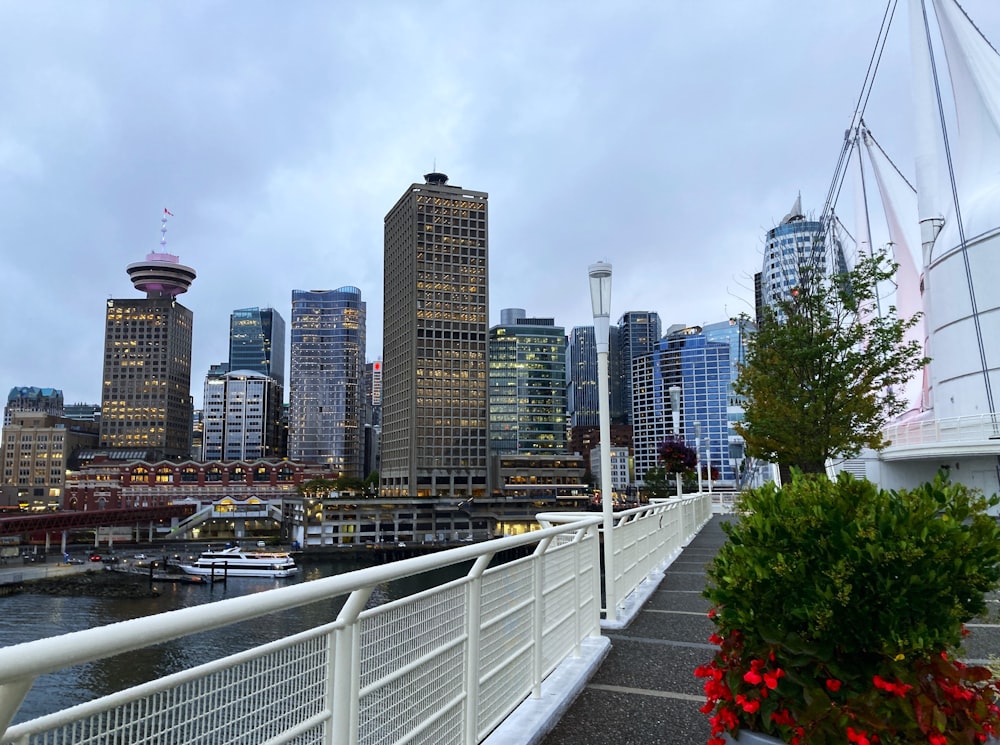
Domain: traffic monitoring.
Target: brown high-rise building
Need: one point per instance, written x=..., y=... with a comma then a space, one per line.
x=434, y=434
x=146, y=392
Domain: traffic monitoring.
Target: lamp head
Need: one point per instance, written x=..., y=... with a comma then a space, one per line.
x=600, y=288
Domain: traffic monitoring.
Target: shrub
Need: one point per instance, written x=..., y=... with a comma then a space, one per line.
x=839, y=610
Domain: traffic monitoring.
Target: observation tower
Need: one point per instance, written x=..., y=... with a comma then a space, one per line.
x=161, y=275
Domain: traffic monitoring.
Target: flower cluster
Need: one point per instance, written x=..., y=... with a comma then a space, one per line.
x=676, y=457
x=940, y=701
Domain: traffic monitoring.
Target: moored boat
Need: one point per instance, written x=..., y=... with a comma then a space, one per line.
x=235, y=562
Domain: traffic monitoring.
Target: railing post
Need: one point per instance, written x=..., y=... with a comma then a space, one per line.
x=473, y=621
x=11, y=697
x=343, y=706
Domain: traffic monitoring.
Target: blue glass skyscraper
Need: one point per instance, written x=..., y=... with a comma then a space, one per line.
x=257, y=342
x=326, y=386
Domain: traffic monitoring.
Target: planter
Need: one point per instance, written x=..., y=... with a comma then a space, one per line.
x=752, y=738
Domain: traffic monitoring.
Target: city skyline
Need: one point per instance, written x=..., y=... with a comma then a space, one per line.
x=668, y=140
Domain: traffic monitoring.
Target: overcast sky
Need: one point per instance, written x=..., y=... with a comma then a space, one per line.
x=663, y=136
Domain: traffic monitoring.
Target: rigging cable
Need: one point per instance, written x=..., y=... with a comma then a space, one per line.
x=958, y=217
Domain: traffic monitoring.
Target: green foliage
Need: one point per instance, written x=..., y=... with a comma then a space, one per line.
x=824, y=370
x=316, y=488
x=852, y=599
x=656, y=483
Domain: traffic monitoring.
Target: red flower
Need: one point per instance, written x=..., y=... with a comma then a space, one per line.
x=749, y=706
x=858, y=736
x=771, y=678
x=782, y=716
x=833, y=684
x=936, y=738
x=712, y=613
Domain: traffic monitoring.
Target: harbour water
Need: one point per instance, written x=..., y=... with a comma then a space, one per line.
x=27, y=617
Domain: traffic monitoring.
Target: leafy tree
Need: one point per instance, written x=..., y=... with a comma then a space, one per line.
x=824, y=371
x=316, y=488
x=656, y=484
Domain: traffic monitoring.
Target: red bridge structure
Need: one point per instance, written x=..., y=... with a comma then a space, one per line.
x=77, y=520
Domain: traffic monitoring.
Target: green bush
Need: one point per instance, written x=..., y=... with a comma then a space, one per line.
x=840, y=607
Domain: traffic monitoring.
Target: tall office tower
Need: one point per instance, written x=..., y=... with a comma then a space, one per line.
x=434, y=438
x=527, y=386
x=326, y=388
x=239, y=418
x=791, y=248
x=639, y=332
x=257, y=342
x=146, y=400
x=373, y=416
x=583, y=377
x=735, y=332
x=29, y=398
x=701, y=370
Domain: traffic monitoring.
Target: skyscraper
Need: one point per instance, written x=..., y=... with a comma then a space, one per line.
x=639, y=331
x=326, y=385
x=792, y=247
x=434, y=437
x=30, y=398
x=701, y=369
x=146, y=401
x=257, y=342
x=527, y=387
x=240, y=418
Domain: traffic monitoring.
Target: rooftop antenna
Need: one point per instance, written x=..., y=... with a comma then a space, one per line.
x=163, y=229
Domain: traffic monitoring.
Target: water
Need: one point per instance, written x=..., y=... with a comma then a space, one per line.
x=26, y=617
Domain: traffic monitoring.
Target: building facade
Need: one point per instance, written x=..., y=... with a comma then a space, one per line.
x=326, y=386
x=29, y=398
x=146, y=392
x=434, y=391
x=639, y=332
x=701, y=370
x=527, y=386
x=792, y=247
x=257, y=342
x=38, y=448
x=241, y=417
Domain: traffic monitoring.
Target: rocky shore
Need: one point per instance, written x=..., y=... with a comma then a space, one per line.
x=95, y=584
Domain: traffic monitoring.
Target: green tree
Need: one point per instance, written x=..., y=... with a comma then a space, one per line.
x=824, y=372
x=656, y=484
x=316, y=488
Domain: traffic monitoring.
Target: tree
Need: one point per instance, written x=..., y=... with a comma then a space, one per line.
x=316, y=488
x=824, y=371
x=656, y=484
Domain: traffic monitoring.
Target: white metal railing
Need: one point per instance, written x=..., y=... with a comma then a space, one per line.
x=446, y=665
x=646, y=540
x=442, y=666
x=956, y=430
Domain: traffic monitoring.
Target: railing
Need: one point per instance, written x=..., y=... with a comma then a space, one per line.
x=446, y=665
x=646, y=540
x=955, y=430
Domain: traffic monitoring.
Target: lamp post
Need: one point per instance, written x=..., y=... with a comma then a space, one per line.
x=600, y=300
x=697, y=451
x=675, y=411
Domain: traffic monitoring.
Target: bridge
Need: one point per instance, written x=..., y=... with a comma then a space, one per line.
x=483, y=658
x=74, y=520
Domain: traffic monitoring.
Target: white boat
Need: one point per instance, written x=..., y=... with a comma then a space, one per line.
x=235, y=562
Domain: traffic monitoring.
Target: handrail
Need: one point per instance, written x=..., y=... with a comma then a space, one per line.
x=454, y=660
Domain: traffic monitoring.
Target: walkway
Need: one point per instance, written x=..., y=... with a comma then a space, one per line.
x=645, y=692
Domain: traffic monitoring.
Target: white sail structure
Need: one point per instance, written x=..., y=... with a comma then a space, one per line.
x=962, y=259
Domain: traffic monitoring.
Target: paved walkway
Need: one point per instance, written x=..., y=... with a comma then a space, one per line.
x=645, y=692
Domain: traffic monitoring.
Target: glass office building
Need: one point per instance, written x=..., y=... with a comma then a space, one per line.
x=527, y=387
x=257, y=342
x=326, y=385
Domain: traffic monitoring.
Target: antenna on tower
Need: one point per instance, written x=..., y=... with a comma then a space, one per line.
x=163, y=229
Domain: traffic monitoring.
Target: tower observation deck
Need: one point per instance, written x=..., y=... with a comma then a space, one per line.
x=161, y=275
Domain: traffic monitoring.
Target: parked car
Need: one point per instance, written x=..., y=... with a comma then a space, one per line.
x=96, y=557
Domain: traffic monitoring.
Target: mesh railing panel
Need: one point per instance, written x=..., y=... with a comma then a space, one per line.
x=252, y=701
x=398, y=704
x=505, y=670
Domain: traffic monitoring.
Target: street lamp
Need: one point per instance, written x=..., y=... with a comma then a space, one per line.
x=675, y=411
x=600, y=300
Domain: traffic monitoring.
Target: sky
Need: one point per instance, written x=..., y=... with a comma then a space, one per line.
x=664, y=137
